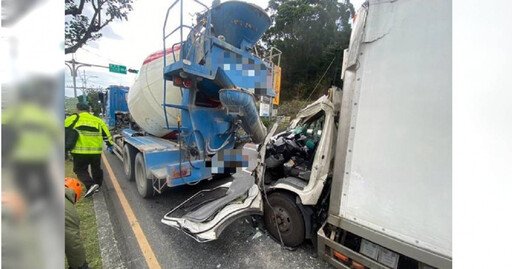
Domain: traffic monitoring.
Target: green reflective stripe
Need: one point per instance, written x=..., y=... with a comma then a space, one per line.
x=86, y=152
x=87, y=133
x=89, y=123
x=87, y=149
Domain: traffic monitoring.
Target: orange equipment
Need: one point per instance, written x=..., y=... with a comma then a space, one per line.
x=75, y=185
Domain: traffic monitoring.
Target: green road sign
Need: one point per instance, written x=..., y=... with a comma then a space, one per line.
x=114, y=68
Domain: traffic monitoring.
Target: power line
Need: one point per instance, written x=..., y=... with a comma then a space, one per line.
x=321, y=78
x=105, y=58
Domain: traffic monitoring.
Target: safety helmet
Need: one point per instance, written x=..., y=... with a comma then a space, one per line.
x=75, y=185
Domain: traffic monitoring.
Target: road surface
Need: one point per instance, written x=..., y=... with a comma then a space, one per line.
x=240, y=246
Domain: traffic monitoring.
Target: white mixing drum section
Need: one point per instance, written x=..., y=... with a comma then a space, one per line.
x=145, y=97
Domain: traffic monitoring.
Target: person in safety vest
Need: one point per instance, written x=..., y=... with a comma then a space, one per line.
x=29, y=134
x=88, y=148
x=74, y=247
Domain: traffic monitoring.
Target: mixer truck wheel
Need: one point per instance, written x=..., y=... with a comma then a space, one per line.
x=129, y=162
x=144, y=184
x=284, y=214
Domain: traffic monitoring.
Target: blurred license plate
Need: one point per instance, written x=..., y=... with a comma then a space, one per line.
x=388, y=258
x=381, y=254
x=369, y=249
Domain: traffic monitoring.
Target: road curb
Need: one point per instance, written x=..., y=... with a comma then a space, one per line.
x=110, y=254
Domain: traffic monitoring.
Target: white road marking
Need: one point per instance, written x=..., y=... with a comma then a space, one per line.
x=245, y=169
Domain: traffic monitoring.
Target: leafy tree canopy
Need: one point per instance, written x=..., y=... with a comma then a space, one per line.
x=310, y=33
x=80, y=28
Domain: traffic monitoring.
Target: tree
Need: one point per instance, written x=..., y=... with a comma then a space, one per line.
x=80, y=28
x=92, y=95
x=93, y=98
x=311, y=34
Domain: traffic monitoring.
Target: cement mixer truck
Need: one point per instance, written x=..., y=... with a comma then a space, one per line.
x=194, y=101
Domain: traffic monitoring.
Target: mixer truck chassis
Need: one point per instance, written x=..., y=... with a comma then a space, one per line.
x=151, y=162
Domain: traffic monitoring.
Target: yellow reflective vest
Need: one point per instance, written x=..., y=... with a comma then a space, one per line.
x=91, y=130
x=36, y=129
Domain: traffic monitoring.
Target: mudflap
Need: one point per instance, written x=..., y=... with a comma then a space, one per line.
x=207, y=213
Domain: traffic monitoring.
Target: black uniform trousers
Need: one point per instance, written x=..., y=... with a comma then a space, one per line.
x=81, y=163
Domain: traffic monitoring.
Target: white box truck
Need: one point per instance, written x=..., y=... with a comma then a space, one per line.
x=391, y=202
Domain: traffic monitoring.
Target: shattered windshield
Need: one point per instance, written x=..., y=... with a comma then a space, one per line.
x=291, y=153
x=312, y=127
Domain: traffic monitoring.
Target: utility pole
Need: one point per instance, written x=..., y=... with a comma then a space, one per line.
x=84, y=83
x=73, y=68
x=85, y=90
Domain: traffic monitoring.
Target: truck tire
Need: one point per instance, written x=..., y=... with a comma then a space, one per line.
x=129, y=162
x=288, y=216
x=144, y=184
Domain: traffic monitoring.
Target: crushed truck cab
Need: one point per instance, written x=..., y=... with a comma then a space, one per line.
x=309, y=182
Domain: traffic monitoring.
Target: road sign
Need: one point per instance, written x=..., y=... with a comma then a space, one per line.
x=114, y=68
x=264, y=109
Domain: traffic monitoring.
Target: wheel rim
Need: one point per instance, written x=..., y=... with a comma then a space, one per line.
x=282, y=218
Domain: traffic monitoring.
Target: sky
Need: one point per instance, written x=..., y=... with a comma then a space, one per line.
x=130, y=42
x=20, y=43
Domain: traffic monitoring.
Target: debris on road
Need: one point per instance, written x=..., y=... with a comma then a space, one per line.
x=257, y=235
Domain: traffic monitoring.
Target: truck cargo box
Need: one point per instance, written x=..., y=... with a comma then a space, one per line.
x=392, y=178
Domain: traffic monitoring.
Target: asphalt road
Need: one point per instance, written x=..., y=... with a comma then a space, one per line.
x=240, y=246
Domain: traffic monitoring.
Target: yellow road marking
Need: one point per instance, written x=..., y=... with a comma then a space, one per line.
x=137, y=230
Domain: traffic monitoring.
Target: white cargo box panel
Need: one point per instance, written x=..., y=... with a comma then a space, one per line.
x=397, y=177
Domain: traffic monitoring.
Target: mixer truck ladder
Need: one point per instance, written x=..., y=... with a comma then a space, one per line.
x=185, y=59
